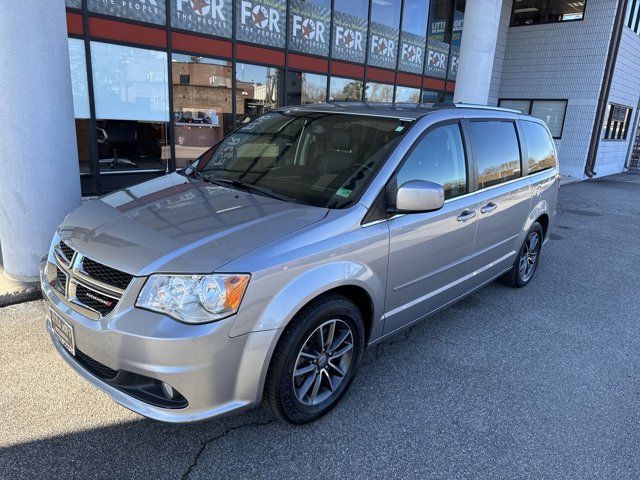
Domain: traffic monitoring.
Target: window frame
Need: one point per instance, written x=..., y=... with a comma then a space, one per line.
x=474, y=154
x=391, y=186
x=546, y=16
x=531, y=100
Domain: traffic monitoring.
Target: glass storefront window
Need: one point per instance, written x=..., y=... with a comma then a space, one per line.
x=345, y=89
x=131, y=94
x=383, y=33
x=438, y=39
x=150, y=11
x=407, y=95
x=73, y=3
x=202, y=104
x=432, y=96
x=531, y=12
x=309, y=24
x=413, y=36
x=212, y=17
x=456, y=38
x=80, y=91
x=261, y=22
x=257, y=91
x=378, y=92
x=305, y=88
x=350, y=19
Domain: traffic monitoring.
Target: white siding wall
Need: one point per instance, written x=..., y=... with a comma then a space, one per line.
x=562, y=61
x=501, y=46
x=625, y=90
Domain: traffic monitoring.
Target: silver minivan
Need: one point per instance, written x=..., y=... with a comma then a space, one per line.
x=265, y=268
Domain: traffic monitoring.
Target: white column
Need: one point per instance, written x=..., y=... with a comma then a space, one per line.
x=39, y=174
x=477, y=51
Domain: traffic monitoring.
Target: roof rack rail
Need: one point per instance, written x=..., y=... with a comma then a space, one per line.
x=474, y=105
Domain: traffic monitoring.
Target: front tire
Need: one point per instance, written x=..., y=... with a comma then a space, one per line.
x=315, y=359
x=528, y=258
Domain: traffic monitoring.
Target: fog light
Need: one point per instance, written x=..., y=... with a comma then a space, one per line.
x=167, y=390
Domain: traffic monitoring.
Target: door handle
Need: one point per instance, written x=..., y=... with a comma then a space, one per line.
x=489, y=207
x=466, y=215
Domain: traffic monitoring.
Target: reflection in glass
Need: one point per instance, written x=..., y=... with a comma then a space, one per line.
x=383, y=33
x=149, y=11
x=309, y=26
x=432, y=96
x=202, y=105
x=497, y=152
x=438, y=39
x=257, y=91
x=542, y=153
x=531, y=12
x=439, y=158
x=80, y=92
x=305, y=88
x=407, y=94
x=131, y=94
x=413, y=36
x=321, y=159
x=350, y=30
x=456, y=38
x=378, y=92
x=345, y=89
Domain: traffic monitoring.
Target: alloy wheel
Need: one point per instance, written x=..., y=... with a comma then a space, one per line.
x=323, y=362
x=529, y=257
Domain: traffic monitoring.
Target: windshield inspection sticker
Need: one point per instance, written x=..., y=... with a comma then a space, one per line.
x=343, y=192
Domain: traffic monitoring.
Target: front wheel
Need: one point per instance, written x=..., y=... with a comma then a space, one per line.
x=528, y=258
x=315, y=360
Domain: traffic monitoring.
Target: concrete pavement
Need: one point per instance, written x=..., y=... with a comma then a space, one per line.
x=541, y=382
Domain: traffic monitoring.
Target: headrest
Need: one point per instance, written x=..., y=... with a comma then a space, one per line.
x=341, y=141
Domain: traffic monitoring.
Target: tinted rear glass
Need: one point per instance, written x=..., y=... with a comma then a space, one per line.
x=497, y=151
x=542, y=154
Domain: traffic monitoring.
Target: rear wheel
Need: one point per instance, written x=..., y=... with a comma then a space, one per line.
x=528, y=258
x=315, y=359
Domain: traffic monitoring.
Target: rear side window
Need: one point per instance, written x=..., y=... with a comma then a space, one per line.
x=542, y=153
x=438, y=157
x=497, y=151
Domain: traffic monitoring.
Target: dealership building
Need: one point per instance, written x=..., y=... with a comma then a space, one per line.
x=151, y=84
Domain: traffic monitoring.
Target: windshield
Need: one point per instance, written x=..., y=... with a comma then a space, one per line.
x=320, y=159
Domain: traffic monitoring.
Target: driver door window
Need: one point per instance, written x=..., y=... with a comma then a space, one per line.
x=438, y=157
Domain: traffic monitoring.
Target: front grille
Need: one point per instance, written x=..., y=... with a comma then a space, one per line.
x=66, y=250
x=95, y=367
x=94, y=300
x=61, y=281
x=105, y=274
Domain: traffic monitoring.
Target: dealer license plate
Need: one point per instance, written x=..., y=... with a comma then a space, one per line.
x=63, y=332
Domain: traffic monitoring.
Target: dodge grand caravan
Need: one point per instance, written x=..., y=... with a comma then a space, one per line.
x=265, y=268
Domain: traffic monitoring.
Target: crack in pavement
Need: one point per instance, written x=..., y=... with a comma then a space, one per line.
x=208, y=442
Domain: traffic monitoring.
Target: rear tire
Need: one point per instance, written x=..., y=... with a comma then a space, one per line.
x=315, y=360
x=527, y=261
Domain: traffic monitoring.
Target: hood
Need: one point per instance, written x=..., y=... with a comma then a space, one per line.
x=174, y=224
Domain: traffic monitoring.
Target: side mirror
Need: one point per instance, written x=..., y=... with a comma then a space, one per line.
x=418, y=196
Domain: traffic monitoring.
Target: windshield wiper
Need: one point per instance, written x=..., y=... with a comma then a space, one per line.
x=247, y=187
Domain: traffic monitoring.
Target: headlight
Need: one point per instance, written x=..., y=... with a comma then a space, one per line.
x=194, y=298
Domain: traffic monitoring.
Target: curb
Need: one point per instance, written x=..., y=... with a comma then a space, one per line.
x=24, y=292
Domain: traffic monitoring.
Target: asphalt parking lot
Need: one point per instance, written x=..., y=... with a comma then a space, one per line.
x=542, y=382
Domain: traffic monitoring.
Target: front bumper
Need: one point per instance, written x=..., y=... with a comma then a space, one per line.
x=215, y=373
